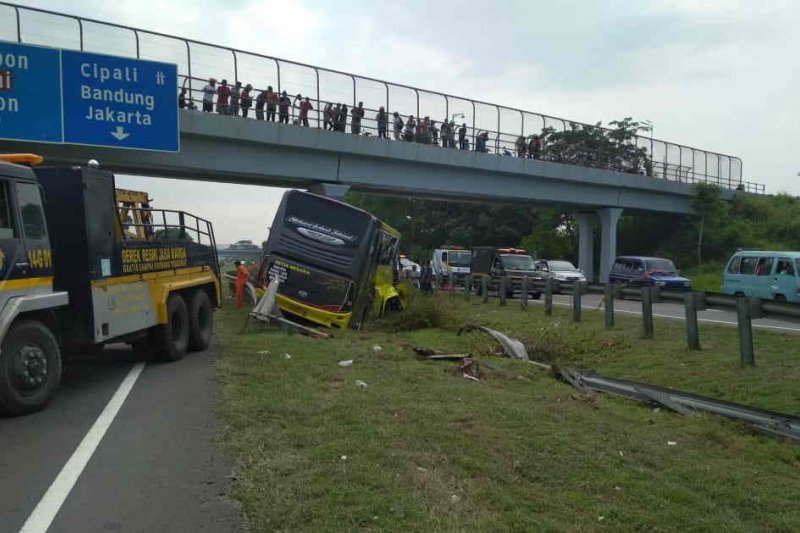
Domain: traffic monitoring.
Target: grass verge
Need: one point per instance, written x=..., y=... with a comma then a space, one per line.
x=422, y=449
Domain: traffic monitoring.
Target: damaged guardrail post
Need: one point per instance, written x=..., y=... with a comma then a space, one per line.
x=690, y=302
x=608, y=304
x=467, y=286
x=577, y=290
x=745, y=319
x=647, y=311
x=485, y=288
x=523, y=298
x=502, y=289
x=548, y=296
x=452, y=288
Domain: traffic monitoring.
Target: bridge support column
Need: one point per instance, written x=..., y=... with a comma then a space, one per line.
x=332, y=190
x=609, y=216
x=586, y=244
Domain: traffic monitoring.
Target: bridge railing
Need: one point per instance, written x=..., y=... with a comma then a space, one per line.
x=197, y=61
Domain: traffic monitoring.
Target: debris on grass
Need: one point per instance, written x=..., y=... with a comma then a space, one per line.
x=470, y=369
x=361, y=384
x=433, y=355
x=287, y=356
x=345, y=363
x=377, y=348
x=671, y=443
x=511, y=346
x=263, y=352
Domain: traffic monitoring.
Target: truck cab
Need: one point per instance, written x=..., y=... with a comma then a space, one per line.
x=450, y=264
x=514, y=264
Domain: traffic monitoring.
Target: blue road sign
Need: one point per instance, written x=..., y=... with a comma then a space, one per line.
x=64, y=96
x=119, y=102
x=30, y=93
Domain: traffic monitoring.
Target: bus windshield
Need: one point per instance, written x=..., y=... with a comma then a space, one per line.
x=326, y=221
x=518, y=262
x=459, y=258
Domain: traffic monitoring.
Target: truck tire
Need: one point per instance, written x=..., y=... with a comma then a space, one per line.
x=201, y=320
x=30, y=367
x=173, y=337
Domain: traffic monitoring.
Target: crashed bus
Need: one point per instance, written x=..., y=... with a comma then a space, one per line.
x=336, y=263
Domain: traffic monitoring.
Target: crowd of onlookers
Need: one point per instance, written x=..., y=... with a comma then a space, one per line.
x=270, y=105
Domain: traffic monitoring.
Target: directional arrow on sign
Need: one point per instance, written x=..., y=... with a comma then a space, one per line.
x=120, y=134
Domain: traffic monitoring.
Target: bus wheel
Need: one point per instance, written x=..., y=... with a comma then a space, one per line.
x=780, y=298
x=173, y=337
x=30, y=368
x=201, y=320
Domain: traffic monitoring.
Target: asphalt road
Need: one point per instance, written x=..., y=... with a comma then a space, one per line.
x=157, y=467
x=673, y=311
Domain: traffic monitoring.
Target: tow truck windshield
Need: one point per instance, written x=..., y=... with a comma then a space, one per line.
x=517, y=262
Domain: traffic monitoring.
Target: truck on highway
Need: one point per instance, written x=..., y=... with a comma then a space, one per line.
x=513, y=264
x=75, y=276
x=450, y=264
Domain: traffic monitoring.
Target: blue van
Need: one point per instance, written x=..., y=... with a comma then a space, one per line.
x=769, y=275
x=638, y=270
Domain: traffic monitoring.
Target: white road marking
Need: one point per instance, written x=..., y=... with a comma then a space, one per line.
x=41, y=517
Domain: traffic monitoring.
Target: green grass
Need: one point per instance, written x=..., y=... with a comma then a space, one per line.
x=707, y=278
x=427, y=450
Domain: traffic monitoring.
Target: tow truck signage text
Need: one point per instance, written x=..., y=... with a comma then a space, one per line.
x=135, y=260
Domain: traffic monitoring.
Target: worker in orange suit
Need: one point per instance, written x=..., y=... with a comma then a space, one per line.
x=242, y=275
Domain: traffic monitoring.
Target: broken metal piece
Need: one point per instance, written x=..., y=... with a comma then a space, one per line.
x=511, y=346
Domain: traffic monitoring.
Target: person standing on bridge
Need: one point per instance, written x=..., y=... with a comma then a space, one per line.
x=327, y=117
x=357, y=113
x=247, y=100
x=445, y=133
x=398, y=126
x=242, y=275
x=208, y=95
x=272, y=103
x=236, y=95
x=535, y=147
x=305, y=107
x=283, y=108
x=223, y=96
x=383, y=121
x=182, y=99
x=408, y=132
x=462, y=137
x=261, y=101
x=341, y=119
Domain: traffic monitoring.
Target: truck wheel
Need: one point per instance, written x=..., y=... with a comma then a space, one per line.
x=30, y=368
x=535, y=295
x=173, y=337
x=201, y=320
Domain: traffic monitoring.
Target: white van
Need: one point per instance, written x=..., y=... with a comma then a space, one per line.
x=769, y=275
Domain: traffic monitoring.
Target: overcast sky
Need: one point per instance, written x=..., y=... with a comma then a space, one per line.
x=718, y=75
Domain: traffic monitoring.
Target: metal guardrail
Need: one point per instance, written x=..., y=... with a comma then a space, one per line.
x=767, y=308
x=506, y=124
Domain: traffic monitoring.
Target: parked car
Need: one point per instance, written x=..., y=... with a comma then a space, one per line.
x=406, y=265
x=771, y=275
x=560, y=271
x=638, y=270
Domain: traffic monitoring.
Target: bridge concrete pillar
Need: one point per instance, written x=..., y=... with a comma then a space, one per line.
x=609, y=216
x=332, y=190
x=586, y=244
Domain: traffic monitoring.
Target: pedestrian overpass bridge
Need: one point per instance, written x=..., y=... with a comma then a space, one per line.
x=226, y=149
x=233, y=149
